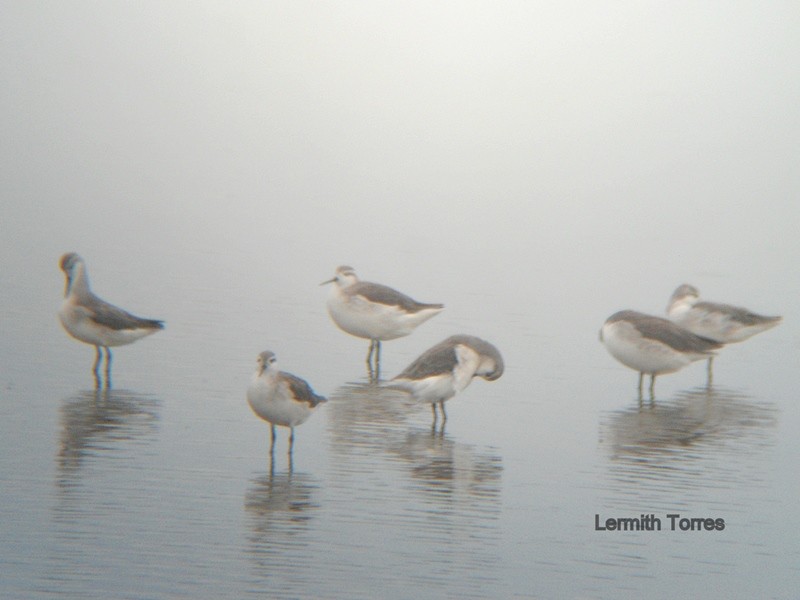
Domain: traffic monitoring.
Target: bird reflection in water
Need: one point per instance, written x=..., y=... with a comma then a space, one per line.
x=96, y=426
x=442, y=466
x=280, y=500
x=278, y=508
x=96, y=422
x=438, y=499
x=695, y=425
x=373, y=421
x=367, y=416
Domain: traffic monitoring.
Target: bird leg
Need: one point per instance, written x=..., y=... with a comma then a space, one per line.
x=436, y=417
x=96, y=367
x=652, y=386
x=291, y=441
x=710, y=372
x=370, y=368
x=271, y=463
x=374, y=364
x=272, y=439
x=108, y=367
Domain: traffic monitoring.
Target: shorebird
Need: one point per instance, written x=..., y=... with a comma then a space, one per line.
x=280, y=398
x=652, y=345
x=94, y=321
x=374, y=312
x=447, y=368
x=722, y=323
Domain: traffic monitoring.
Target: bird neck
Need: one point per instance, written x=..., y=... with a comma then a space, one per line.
x=78, y=282
x=681, y=304
x=270, y=375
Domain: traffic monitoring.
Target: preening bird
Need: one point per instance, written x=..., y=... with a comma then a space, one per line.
x=448, y=368
x=94, y=321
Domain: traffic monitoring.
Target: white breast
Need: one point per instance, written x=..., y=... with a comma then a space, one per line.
x=645, y=355
x=271, y=400
x=77, y=322
x=371, y=320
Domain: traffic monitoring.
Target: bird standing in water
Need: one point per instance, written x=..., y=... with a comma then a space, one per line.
x=94, y=321
x=448, y=368
x=721, y=323
x=652, y=345
x=375, y=312
x=280, y=398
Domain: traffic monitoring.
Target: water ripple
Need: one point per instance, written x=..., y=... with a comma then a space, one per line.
x=698, y=437
x=424, y=501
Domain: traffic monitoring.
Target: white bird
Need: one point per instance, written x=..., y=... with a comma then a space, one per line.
x=447, y=368
x=719, y=322
x=374, y=312
x=94, y=321
x=280, y=398
x=652, y=345
x=722, y=323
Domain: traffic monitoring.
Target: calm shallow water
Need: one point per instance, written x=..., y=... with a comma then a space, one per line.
x=163, y=487
x=534, y=167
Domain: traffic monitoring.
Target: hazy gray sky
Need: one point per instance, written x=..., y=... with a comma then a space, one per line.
x=339, y=125
x=535, y=166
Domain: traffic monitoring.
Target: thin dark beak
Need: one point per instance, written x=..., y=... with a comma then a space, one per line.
x=329, y=281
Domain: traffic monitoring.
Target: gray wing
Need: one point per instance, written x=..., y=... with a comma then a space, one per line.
x=301, y=390
x=740, y=315
x=434, y=361
x=382, y=294
x=676, y=337
x=111, y=316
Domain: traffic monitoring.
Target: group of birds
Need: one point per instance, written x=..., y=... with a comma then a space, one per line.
x=651, y=345
x=364, y=309
x=694, y=331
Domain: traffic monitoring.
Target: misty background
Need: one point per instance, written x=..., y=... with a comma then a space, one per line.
x=536, y=133
x=535, y=166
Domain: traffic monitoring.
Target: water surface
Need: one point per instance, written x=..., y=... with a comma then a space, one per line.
x=534, y=170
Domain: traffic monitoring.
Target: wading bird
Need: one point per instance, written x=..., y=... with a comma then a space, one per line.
x=374, y=312
x=280, y=398
x=721, y=323
x=94, y=321
x=652, y=345
x=447, y=368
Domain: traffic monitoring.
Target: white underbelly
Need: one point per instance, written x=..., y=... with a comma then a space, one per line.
x=373, y=320
x=643, y=354
x=437, y=388
x=276, y=409
x=82, y=328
